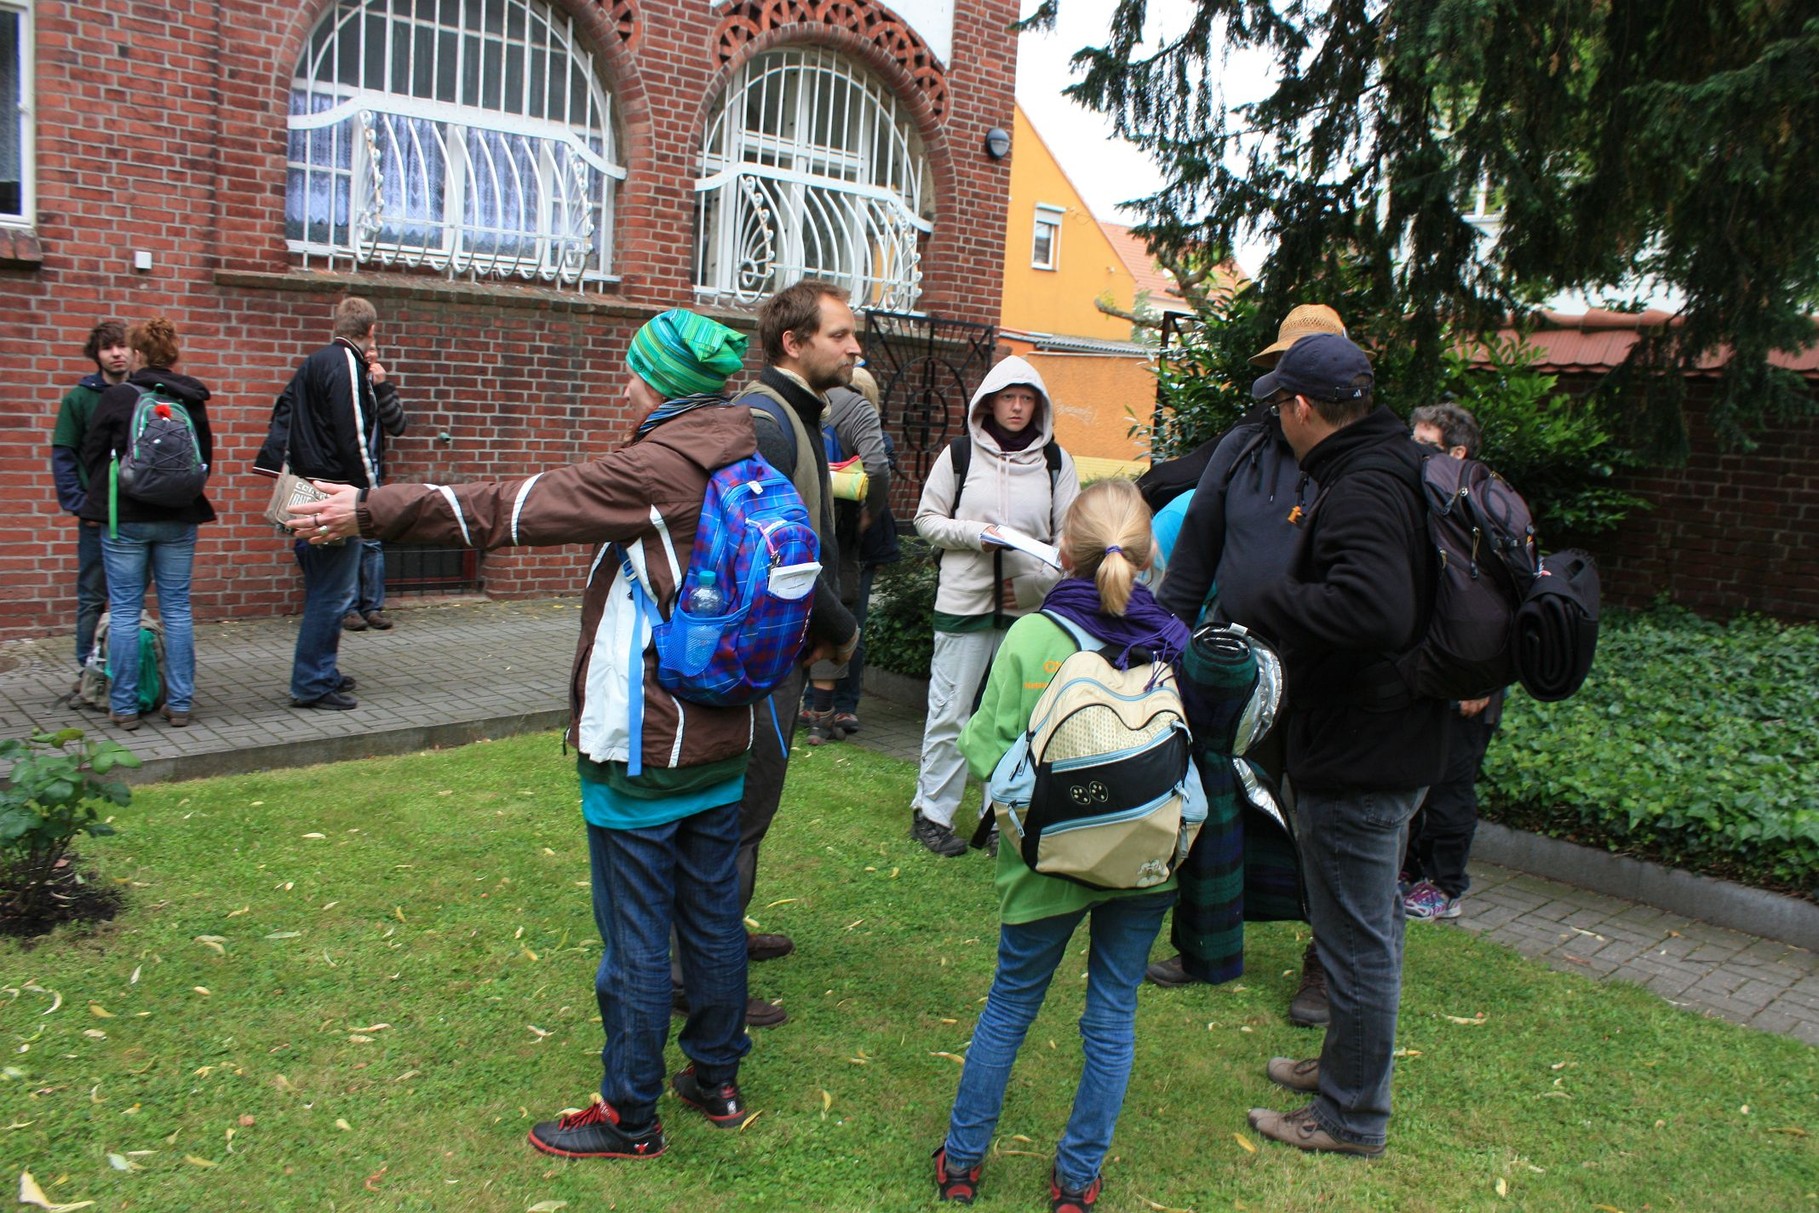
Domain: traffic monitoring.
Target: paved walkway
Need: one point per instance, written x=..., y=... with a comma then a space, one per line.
x=458, y=671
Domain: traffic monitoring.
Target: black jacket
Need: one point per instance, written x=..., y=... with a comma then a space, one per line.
x=325, y=420
x=109, y=430
x=1357, y=593
x=1238, y=535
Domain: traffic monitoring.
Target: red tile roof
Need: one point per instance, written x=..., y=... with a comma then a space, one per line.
x=1599, y=340
x=1153, y=278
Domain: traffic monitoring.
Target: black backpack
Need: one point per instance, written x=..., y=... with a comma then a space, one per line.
x=1485, y=564
x=162, y=463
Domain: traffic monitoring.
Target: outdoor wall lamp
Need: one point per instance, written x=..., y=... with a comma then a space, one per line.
x=997, y=143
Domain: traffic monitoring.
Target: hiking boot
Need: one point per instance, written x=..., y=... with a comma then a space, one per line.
x=377, y=621
x=761, y=947
x=1427, y=901
x=1063, y=1199
x=345, y=682
x=991, y=843
x=1301, y=1130
x=1308, y=1009
x=762, y=1014
x=334, y=701
x=721, y=1104
x=821, y=728
x=595, y=1132
x=178, y=720
x=958, y=1186
x=936, y=837
x=129, y=722
x=1301, y=1075
x=847, y=722
x=1170, y=973
x=353, y=621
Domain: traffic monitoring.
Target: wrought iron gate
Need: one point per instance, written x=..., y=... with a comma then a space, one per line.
x=927, y=369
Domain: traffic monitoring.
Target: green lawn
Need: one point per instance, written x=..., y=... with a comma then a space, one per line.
x=355, y=987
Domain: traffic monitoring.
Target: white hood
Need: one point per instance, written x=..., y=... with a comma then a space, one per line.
x=1011, y=371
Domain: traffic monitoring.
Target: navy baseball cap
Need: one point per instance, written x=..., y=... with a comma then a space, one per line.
x=1320, y=366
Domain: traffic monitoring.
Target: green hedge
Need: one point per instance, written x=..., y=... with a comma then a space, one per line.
x=1693, y=743
x=899, y=627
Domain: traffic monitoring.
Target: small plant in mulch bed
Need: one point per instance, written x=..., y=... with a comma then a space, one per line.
x=56, y=790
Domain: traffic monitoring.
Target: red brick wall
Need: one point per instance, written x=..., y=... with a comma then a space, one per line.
x=186, y=161
x=1729, y=532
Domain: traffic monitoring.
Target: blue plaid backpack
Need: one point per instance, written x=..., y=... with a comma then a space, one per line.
x=757, y=548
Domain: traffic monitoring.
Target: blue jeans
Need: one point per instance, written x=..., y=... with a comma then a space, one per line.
x=846, y=691
x=331, y=577
x=679, y=874
x=167, y=550
x=371, y=596
x=1122, y=930
x=1351, y=852
x=91, y=588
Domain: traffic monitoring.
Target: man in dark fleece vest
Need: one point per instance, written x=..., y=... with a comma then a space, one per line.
x=1361, y=748
x=810, y=341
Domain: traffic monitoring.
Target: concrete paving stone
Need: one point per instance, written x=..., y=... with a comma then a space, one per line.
x=1662, y=981
x=1714, y=953
x=1806, y=1031
x=1763, y=993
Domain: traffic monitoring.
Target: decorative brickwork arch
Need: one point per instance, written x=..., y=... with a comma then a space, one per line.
x=747, y=20
x=621, y=16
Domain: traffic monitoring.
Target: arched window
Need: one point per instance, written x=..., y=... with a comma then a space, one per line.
x=471, y=136
x=810, y=167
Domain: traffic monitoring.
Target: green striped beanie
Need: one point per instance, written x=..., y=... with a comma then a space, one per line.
x=681, y=354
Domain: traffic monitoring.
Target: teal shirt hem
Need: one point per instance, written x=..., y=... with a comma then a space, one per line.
x=611, y=810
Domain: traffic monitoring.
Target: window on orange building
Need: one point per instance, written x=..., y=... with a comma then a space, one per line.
x=1045, y=250
x=472, y=136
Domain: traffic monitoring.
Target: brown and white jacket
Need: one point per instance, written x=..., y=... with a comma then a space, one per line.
x=645, y=497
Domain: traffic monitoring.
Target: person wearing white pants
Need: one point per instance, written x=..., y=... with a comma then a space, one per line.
x=1005, y=474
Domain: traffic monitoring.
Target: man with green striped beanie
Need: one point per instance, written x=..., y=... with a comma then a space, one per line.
x=680, y=354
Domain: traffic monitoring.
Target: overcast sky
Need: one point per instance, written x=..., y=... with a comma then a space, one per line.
x=1106, y=170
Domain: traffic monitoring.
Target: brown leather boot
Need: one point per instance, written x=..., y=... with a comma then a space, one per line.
x=1307, y=1009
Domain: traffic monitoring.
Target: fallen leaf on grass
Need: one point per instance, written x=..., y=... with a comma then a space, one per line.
x=1473, y=1021
x=95, y=1034
x=357, y=1039
x=1161, y=1208
x=531, y=954
x=547, y=1206
x=1612, y=1208
x=284, y=935
x=1502, y=1186
x=750, y=1120
x=343, y=1125
x=1791, y=1131
x=781, y=901
x=283, y=1083
x=99, y=1011
x=1407, y=1053
x=240, y=911
x=1250, y=1147
x=202, y=990
x=372, y=1181
x=398, y=912
x=314, y=834
x=121, y=1162
x=194, y=1161
x=371, y=1027
x=541, y=1034
x=31, y=1194
x=953, y=1057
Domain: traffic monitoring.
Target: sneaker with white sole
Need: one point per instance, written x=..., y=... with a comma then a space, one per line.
x=1426, y=901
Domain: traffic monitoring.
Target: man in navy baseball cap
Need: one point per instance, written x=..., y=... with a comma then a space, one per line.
x=1361, y=749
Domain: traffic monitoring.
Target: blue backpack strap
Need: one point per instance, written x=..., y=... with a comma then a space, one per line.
x=1083, y=639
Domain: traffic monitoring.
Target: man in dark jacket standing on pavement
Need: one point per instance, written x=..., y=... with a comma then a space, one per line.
x=811, y=344
x=107, y=348
x=323, y=425
x=1361, y=749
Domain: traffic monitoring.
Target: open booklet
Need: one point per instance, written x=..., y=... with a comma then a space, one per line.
x=1001, y=536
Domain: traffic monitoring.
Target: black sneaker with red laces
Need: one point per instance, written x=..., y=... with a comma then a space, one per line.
x=957, y=1186
x=720, y=1104
x=596, y=1132
x=1063, y=1199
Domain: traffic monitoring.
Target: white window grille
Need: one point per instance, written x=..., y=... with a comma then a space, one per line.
x=811, y=168
x=471, y=136
x=16, y=151
x=1045, y=249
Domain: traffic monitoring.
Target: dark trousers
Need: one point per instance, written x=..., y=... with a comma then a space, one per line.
x=1440, y=837
x=764, y=776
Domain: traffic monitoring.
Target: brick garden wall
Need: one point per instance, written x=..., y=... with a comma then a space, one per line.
x=186, y=160
x=1729, y=532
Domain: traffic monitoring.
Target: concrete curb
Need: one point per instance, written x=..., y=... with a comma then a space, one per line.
x=379, y=744
x=1719, y=902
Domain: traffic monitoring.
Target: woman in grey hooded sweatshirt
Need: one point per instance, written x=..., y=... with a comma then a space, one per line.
x=1014, y=477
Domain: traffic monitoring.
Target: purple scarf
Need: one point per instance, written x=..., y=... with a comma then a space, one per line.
x=1144, y=624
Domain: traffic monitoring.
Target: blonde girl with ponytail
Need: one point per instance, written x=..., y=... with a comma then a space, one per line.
x=1106, y=542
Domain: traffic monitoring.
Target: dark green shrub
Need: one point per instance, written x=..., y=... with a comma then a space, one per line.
x=1693, y=743
x=899, y=628
x=54, y=791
